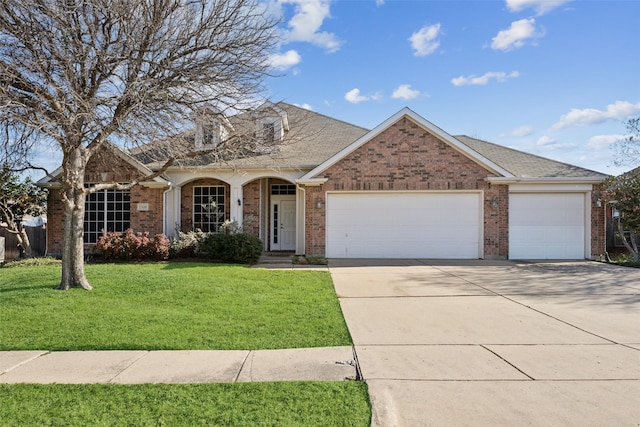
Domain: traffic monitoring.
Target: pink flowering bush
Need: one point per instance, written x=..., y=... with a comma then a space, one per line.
x=129, y=246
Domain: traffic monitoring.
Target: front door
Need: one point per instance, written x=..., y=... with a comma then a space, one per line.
x=283, y=223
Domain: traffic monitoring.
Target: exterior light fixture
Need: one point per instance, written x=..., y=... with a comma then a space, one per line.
x=239, y=202
x=319, y=203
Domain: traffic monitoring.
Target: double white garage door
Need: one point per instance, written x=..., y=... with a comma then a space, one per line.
x=404, y=225
x=449, y=225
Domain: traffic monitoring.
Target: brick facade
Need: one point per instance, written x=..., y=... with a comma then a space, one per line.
x=251, y=208
x=598, y=223
x=407, y=157
x=114, y=169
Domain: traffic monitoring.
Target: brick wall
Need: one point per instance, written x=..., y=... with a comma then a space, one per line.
x=251, y=208
x=55, y=222
x=408, y=157
x=150, y=220
x=116, y=170
x=598, y=223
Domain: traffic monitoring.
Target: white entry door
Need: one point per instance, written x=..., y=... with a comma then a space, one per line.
x=283, y=223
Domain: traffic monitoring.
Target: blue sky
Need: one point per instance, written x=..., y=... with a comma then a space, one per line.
x=554, y=78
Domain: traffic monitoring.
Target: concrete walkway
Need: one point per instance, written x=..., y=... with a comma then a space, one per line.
x=495, y=343
x=174, y=367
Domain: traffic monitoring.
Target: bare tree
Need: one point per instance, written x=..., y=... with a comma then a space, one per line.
x=628, y=148
x=81, y=72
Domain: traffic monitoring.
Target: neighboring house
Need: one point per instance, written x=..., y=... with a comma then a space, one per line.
x=405, y=189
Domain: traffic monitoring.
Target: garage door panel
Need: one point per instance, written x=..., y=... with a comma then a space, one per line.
x=547, y=226
x=403, y=225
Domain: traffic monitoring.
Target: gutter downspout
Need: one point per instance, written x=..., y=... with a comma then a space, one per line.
x=164, y=208
x=304, y=219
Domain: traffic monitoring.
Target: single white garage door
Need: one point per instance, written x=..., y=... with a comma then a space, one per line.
x=404, y=225
x=547, y=226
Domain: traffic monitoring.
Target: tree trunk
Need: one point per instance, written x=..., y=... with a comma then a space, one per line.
x=631, y=246
x=73, y=242
x=23, y=239
x=634, y=245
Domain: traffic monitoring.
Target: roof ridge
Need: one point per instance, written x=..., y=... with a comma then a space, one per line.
x=322, y=114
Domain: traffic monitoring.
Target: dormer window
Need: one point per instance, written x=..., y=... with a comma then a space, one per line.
x=270, y=130
x=271, y=123
x=211, y=129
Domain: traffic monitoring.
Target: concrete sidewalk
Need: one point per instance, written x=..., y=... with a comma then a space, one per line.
x=175, y=367
x=494, y=343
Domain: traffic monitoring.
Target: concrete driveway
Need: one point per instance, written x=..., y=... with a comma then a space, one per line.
x=495, y=343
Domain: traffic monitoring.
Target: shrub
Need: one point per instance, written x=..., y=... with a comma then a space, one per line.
x=188, y=244
x=241, y=248
x=127, y=246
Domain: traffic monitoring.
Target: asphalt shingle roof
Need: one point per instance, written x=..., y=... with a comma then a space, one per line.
x=313, y=138
x=523, y=164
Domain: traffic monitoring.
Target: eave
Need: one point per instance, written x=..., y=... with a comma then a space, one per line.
x=546, y=180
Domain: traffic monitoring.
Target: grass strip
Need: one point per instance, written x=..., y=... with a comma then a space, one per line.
x=242, y=404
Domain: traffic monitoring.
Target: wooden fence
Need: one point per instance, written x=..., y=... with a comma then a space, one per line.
x=37, y=238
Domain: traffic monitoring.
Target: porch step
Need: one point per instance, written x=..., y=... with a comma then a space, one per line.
x=275, y=259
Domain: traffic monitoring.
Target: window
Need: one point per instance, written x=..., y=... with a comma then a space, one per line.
x=211, y=134
x=269, y=132
x=106, y=210
x=208, y=208
x=283, y=189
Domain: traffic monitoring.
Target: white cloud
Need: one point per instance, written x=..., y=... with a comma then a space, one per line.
x=598, y=142
x=282, y=61
x=305, y=106
x=521, y=131
x=541, y=6
x=405, y=92
x=591, y=116
x=515, y=36
x=499, y=76
x=306, y=22
x=354, y=97
x=425, y=41
x=545, y=141
x=379, y=2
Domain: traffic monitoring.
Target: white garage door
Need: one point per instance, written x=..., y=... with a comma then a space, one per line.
x=403, y=225
x=547, y=226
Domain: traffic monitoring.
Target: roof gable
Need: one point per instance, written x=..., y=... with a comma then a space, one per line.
x=419, y=120
x=50, y=179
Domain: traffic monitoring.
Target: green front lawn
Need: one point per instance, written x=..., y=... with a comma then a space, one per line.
x=169, y=306
x=244, y=404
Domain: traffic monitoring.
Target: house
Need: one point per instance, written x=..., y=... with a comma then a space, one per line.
x=317, y=185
